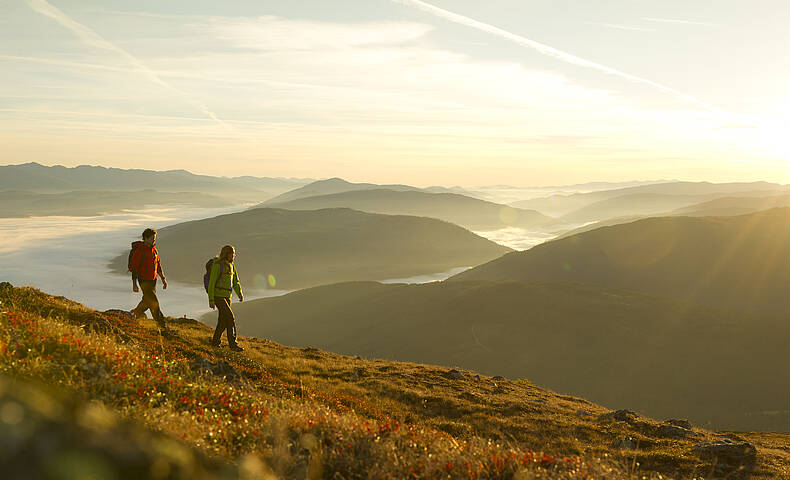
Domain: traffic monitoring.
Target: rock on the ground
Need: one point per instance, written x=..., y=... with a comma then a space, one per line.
x=625, y=443
x=619, y=416
x=455, y=375
x=680, y=423
x=221, y=369
x=730, y=458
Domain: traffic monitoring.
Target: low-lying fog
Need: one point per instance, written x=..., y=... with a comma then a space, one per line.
x=69, y=255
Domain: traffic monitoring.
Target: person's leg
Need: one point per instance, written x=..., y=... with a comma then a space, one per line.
x=217, y=339
x=152, y=301
x=139, y=310
x=230, y=325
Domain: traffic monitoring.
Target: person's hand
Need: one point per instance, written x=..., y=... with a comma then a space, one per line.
x=211, y=305
x=164, y=284
x=135, y=288
x=241, y=298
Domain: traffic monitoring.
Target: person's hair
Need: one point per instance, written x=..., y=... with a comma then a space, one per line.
x=148, y=233
x=225, y=250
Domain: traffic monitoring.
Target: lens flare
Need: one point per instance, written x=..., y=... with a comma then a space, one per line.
x=272, y=281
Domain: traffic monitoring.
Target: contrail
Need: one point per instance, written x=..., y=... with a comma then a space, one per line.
x=550, y=51
x=94, y=39
x=685, y=22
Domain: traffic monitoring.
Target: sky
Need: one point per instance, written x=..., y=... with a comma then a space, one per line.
x=447, y=92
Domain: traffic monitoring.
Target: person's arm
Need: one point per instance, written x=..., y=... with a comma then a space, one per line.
x=237, y=285
x=212, y=282
x=161, y=272
x=135, y=261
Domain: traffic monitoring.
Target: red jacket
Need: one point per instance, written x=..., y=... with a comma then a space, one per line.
x=145, y=263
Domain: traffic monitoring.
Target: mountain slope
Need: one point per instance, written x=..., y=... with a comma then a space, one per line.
x=727, y=262
x=621, y=349
x=338, y=185
x=307, y=248
x=459, y=209
x=303, y=413
x=328, y=187
x=559, y=205
x=729, y=206
x=636, y=204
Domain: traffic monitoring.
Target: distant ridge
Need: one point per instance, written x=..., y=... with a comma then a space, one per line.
x=338, y=185
x=562, y=205
x=738, y=262
x=462, y=210
x=39, y=178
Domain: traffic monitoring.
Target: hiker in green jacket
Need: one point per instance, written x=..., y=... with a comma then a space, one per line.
x=222, y=282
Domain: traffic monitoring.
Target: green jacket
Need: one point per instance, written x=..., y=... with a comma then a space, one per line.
x=220, y=285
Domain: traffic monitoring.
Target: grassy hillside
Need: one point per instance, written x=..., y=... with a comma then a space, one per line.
x=559, y=205
x=621, y=349
x=738, y=262
x=459, y=209
x=92, y=202
x=282, y=412
x=308, y=248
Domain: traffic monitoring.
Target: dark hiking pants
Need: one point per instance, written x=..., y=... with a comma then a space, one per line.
x=225, y=321
x=149, y=302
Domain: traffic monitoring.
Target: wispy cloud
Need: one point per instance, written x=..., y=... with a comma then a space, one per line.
x=63, y=63
x=622, y=27
x=683, y=22
x=93, y=39
x=550, y=51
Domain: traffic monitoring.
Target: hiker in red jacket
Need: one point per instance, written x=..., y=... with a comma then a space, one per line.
x=145, y=265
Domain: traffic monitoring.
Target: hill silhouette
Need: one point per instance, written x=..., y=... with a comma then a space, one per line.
x=631, y=205
x=92, y=202
x=297, y=249
x=282, y=412
x=729, y=206
x=618, y=348
x=560, y=205
x=338, y=185
x=466, y=211
x=35, y=177
x=738, y=262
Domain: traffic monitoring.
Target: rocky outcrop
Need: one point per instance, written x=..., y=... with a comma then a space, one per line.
x=221, y=369
x=732, y=459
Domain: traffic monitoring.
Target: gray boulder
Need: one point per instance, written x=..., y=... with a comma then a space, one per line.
x=220, y=369
x=733, y=459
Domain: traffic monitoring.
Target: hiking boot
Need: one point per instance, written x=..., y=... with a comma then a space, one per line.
x=215, y=344
x=237, y=348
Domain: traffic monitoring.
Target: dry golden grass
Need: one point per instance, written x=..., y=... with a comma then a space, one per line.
x=304, y=413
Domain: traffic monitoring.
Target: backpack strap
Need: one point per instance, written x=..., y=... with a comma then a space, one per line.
x=220, y=272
